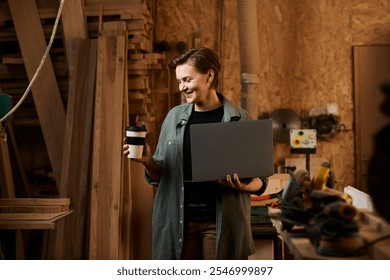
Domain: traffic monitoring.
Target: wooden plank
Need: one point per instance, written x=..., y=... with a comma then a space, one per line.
x=76, y=162
x=45, y=90
x=18, y=225
x=138, y=83
x=34, y=205
x=129, y=10
x=42, y=221
x=137, y=66
x=141, y=229
x=28, y=216
x=116, y=8
x=105, y=228
x=33, y=209
x=126, y=250
x=104, y=2
x=74, y=25
x=34, y=201
x=12, y=60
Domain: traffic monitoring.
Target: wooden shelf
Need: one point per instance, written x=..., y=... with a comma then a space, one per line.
x=32, y=213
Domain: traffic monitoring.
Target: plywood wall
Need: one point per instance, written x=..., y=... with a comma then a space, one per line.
x=305, y=56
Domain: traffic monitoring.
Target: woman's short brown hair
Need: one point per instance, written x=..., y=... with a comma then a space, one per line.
x=203, y=59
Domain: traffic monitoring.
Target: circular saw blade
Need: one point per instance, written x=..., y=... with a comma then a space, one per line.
x=282, y=121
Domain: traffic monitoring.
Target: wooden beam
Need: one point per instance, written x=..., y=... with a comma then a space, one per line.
x=126, y=250
x=67, y=242
x=105, y=220
x=75, y=182
x=74, y=24
x=45, y=90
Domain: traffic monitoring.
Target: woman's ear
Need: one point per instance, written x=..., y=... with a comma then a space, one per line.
x=210, y=75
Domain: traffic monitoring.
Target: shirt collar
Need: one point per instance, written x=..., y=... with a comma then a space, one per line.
x=230, y=111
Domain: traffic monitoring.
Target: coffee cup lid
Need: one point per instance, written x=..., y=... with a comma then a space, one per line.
x=136, y=128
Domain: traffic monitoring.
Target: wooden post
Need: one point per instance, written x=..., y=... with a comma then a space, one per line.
x=6, y=180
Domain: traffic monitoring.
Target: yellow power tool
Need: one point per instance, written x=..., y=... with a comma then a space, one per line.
x=324, y=180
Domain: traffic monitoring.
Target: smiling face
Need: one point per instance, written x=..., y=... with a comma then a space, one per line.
x=194, y=85
x=197, y=73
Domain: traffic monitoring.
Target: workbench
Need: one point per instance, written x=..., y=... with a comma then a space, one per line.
x=371, y=227
x=265, y=235
x=266, y=238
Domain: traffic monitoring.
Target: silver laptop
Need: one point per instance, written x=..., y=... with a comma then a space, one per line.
x=219, y=149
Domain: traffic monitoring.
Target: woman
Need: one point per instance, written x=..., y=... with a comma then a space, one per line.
x=208, y=220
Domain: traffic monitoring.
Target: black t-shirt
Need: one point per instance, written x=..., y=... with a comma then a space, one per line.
x=199, y=197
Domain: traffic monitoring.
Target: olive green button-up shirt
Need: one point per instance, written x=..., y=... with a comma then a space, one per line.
x=233, y=223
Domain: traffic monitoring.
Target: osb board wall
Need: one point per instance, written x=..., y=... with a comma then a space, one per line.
x=305, y=56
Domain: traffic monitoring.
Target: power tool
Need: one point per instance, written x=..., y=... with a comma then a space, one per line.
x=335, y=232
x=326, y=214
x=295, y=203
x=324, y=180
x=302, y=198
x=324, y=177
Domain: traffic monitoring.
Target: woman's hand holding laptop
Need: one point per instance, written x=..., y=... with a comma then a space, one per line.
x=248, y=185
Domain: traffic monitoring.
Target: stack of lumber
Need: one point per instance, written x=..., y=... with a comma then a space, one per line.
x=106, y=78
x=32, y=213
x=13, y=77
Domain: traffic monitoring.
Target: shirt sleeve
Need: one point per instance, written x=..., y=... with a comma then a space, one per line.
x=263, y=188
x=159, y=153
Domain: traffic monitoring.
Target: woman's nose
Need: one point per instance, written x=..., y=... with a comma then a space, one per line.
x=184, y=88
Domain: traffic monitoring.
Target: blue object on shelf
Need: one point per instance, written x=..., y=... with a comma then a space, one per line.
x=5, y=105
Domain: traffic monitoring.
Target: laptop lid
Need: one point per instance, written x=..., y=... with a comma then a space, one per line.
x=219, y=149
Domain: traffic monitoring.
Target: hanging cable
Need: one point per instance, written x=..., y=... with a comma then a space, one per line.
x=40, y=65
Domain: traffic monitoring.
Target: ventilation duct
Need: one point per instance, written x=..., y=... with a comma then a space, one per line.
x=249, y=55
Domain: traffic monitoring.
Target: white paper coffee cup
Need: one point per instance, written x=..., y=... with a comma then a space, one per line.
x=135, y=138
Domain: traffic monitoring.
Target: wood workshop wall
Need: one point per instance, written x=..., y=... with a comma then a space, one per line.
x=306, y=57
